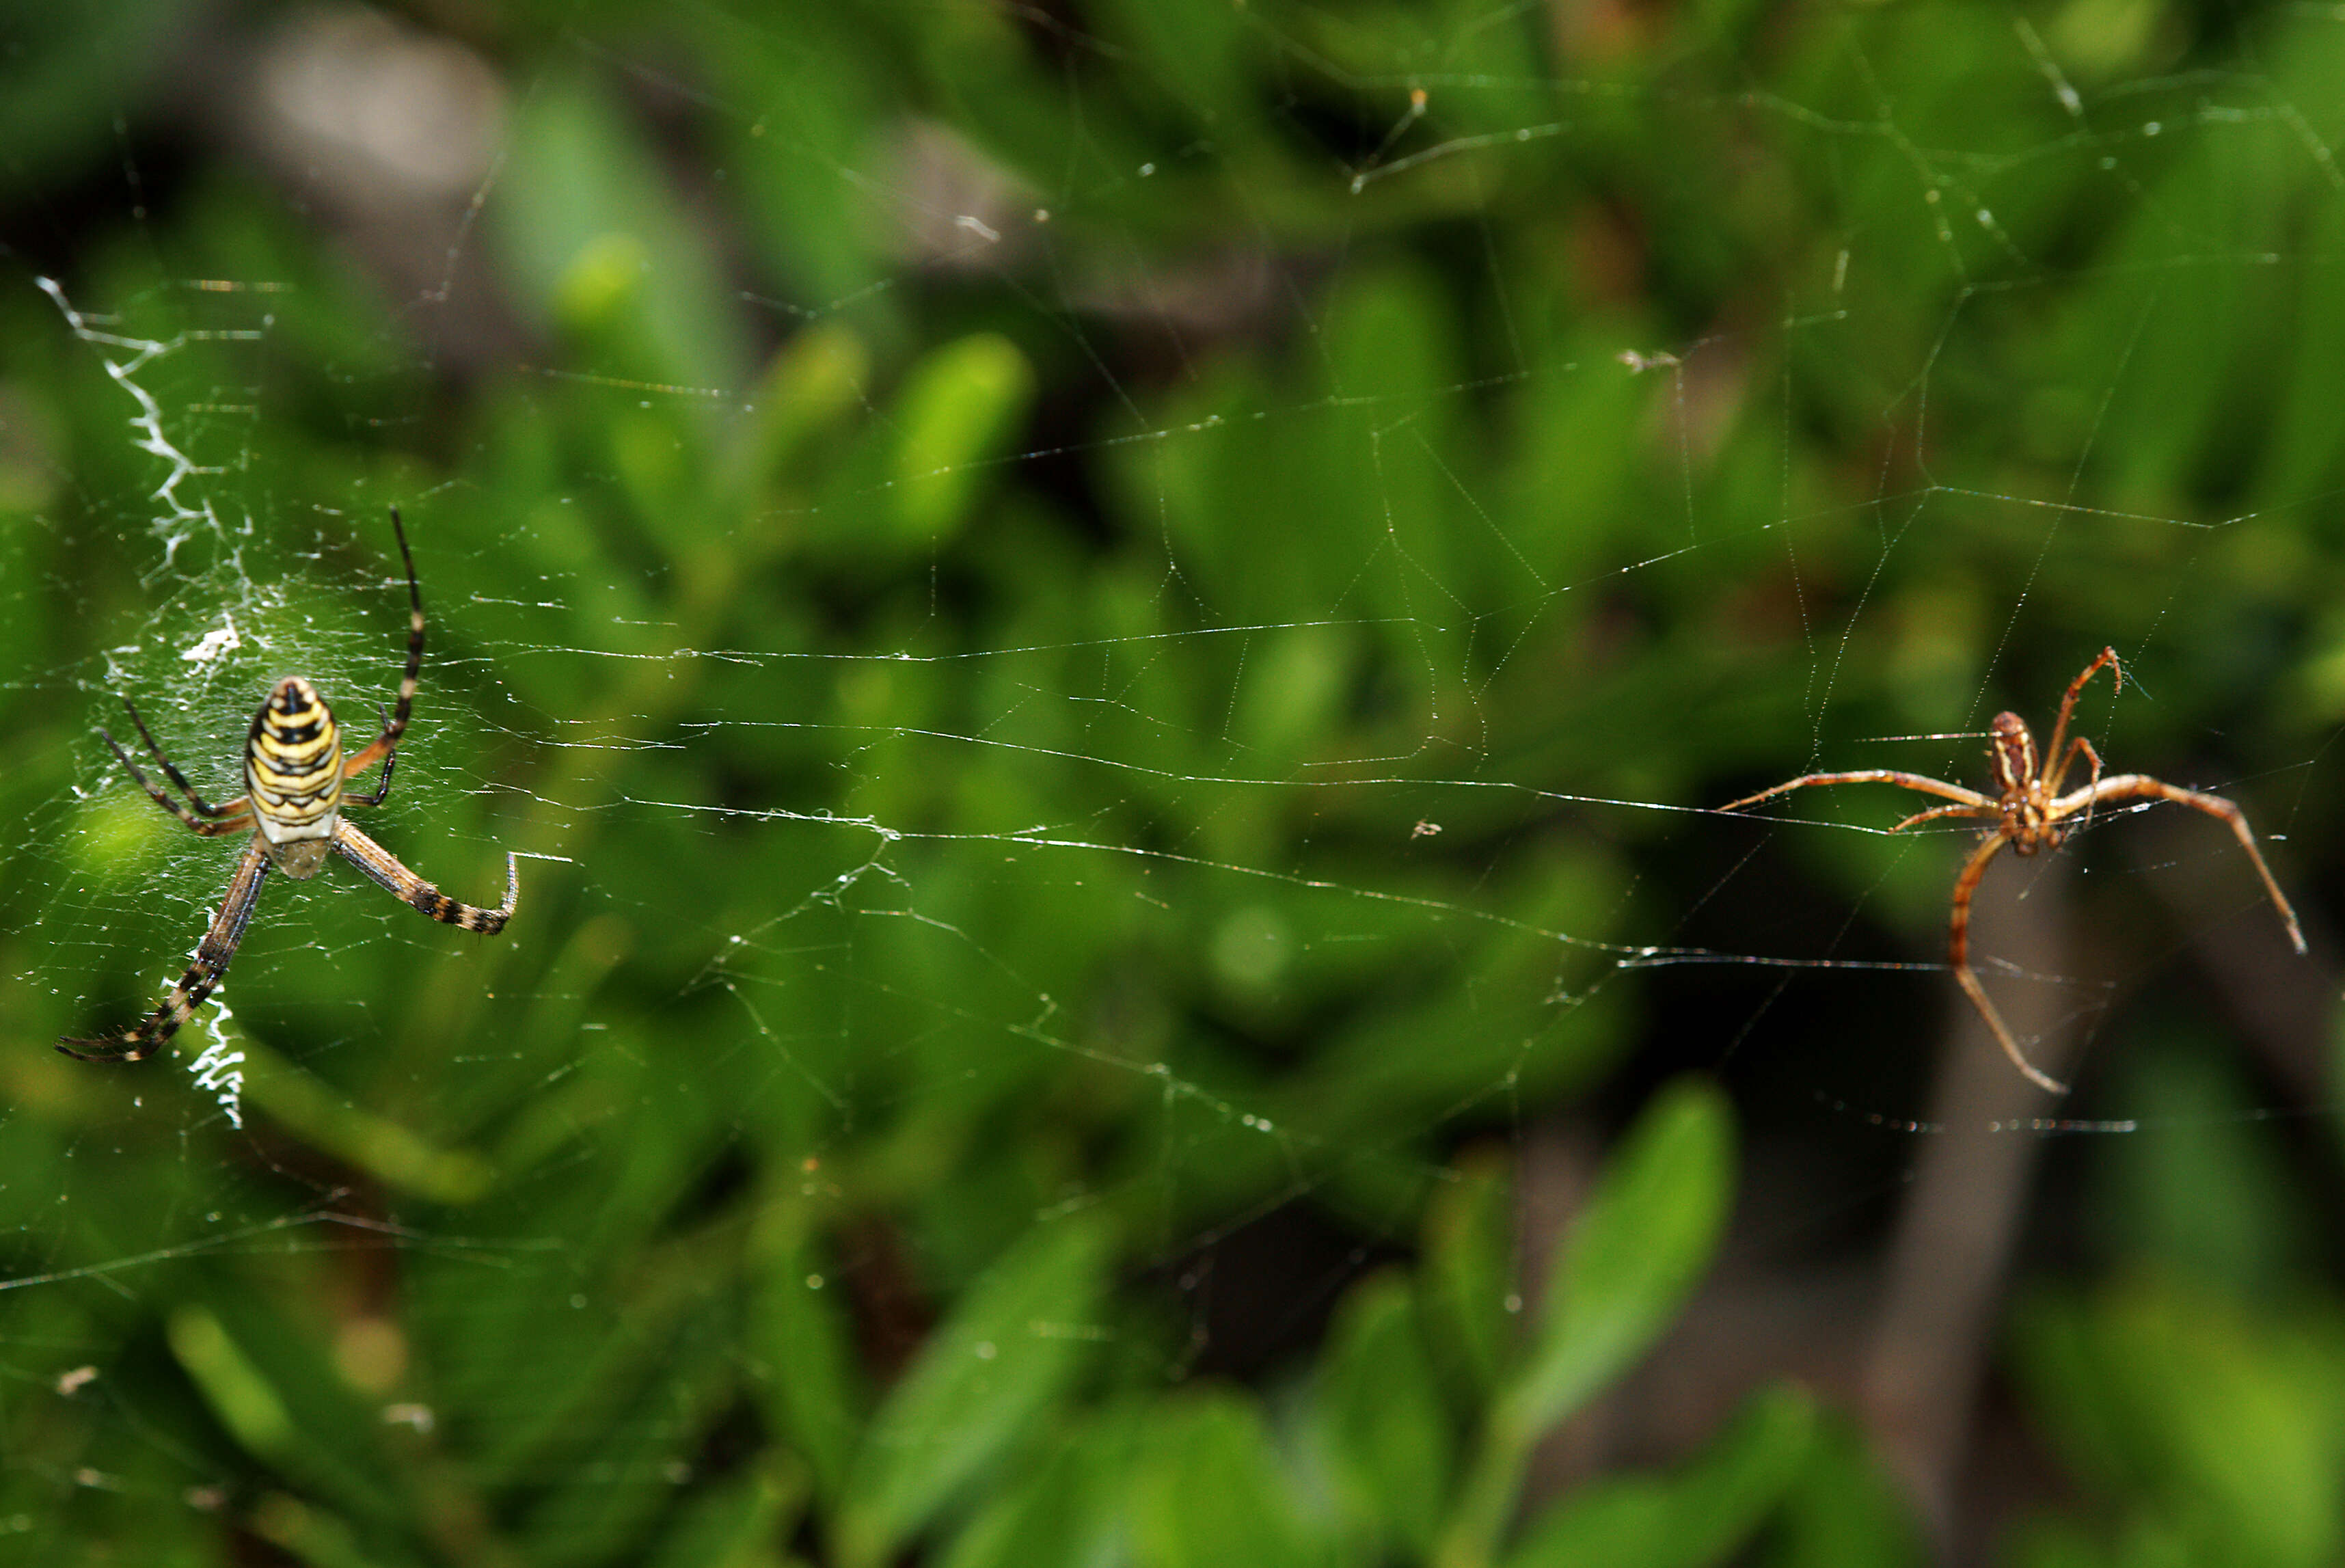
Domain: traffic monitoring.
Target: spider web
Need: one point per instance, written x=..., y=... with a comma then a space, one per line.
x=963, y=642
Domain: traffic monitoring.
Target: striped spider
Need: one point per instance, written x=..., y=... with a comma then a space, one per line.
x=293, y=774
x=2029, y=813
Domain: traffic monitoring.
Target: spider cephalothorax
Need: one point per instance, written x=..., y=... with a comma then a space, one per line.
x=292, y=806
x=2031, y=814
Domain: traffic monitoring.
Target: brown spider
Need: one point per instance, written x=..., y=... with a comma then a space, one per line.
x=2028, y=809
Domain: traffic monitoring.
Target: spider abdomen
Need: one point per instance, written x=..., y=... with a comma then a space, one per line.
x=293, y=773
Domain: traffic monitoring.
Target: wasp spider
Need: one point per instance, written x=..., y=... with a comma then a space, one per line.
x=294, y=776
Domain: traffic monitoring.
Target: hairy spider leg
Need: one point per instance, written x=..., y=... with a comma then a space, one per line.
x=2107, y=660
x=380, y=865
x=1871, y=776
x=212, y=955
x=236, y=807
x=386, y=743
x=232, y=818
x=1934, y=812
x=1958, y=954
x=2052, y=782
x=382, y=784
x=2139, y=785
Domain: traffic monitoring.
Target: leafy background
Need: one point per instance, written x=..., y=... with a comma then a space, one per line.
x=1105, y=627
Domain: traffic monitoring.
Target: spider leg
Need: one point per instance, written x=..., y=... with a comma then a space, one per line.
x=379, y=865
x=232, y=818
x=398, y=725
x=1870, y=776
x=381, y=785
x=2140, y=786
x=2052, y=780
x=1958, y=954
x=202, y=806
x=1936, y=811
x=395, y=725
x=2108, y=661
x=212, y=955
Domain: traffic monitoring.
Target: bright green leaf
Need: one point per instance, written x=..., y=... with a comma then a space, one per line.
x=1635, y=1254
x=2229, y=1423
x=1704, y=1513
x=798, y=1321
x=986, y=1375
x=1469, y=1274
x=735, y=1525
x=959, y=405
x=1050, y=1517
x=1214, y=1492
x=1387, y=1435
x=1629, y=1262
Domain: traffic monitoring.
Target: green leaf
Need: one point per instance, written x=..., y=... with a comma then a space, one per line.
x=1841, y=1510
x=1632, y=1259
x=958, y=408
x=1057, y=1514
x=596, y=240
x=984, y=1378
x=2225, y=1421
x=236, y=1391
x=797, y=1322
x=1212, y=1491
x=1704, y=1513
x=1468, y=1242
x=275, y=1395
x=735, y=1524
x=1387, y=1435
x=809, y=390
x=1635, y=1255
x=401, y=1158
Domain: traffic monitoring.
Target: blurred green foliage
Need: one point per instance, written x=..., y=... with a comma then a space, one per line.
x=1041, y=747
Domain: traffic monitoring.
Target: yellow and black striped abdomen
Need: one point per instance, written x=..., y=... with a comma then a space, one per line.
x=293, y=769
